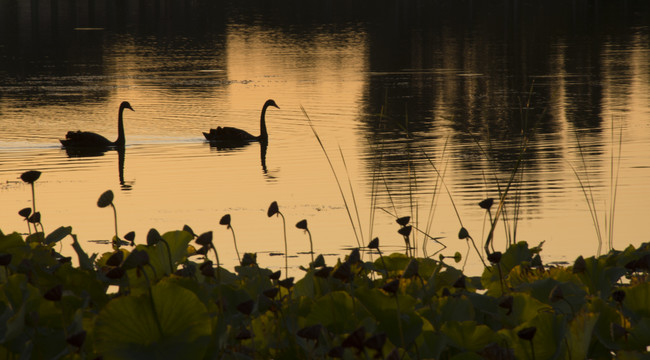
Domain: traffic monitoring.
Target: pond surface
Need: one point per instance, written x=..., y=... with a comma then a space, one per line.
x=421, y=111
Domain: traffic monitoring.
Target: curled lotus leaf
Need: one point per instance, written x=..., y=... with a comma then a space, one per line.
x=30, y=176
x=225, y=220
x=153, y=237
x=25, y=212
x=404, y=220
x=137, y=258
x=205, y=239
x=486, y=204
x=302, y=224
x=273, y=209
x=105, y=199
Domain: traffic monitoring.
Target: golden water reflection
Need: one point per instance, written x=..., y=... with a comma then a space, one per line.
x=396, y=103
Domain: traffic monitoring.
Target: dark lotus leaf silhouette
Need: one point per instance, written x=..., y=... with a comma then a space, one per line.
x=25, y=212
x=405, y=231
x=486, y=204
x=115, y=259
x=391, y=287
x=30, y=176
x=275, y=275
x=273, y=209
x=463, y=233
x=77, y=339
x=205, y=238
x=153, y=237
x=356, y=339
x=55, y=293
x=105, y=199
x=225, y=220
x=302, y=224
x=271, y=292
x=403, y=220
x=527, y=333
x=494, y=257
x=286, y=283
x=35, y=218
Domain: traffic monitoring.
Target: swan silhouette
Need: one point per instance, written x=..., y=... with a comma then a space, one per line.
x=235, y=136
x=91, y=140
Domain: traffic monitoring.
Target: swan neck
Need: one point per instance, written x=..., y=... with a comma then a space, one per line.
x=264, y=136
x=120, y=129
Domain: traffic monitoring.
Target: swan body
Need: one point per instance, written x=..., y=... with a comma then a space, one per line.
x=88, y=140
x=235, y=136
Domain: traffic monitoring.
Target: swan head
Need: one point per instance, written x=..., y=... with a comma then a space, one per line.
x=125, y=105
x=270, y=102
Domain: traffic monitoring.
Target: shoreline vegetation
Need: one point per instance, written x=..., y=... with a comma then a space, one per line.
x=170, y=297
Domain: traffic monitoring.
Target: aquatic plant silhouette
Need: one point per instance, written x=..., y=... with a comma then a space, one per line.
x=274, y=210
x=302, y=224
x=106, y=199
x=30, y=177
x=225, y=220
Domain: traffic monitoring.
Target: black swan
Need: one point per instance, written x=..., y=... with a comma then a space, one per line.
x=87, y=139
x=231, y=135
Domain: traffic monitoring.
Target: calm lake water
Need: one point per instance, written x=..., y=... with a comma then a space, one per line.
x=420, y=109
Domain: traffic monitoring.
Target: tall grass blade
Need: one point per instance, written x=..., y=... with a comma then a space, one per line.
x=338, y=183
x=614, y=185
x=354, y=199
x=589, y=196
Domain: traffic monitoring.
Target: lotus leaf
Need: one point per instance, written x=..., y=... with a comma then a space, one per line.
x=130, y=327
x=468, y=335
x=336, y=311
x=637, y=300
x=58, y=235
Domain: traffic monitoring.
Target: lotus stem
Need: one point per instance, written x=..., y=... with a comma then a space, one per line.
x=169, y=254
x=117, y=239
x=33, y=198
x=286, y=250
x=153, y=304
x=235, y=241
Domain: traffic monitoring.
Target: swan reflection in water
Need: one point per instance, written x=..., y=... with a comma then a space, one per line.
x=94, y=152
x=223, y=147
x=234, y=137
x=89, y=144
x=225, y=138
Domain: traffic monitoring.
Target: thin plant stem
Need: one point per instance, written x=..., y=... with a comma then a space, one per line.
x=169, y=254
x=434, y=201
x=590, y=196
x=354, y=199
x=115, y=218
x=399, y=322
x=442, y=180
x=33, y=199
x=338, y=183
x=153, y=305
x=614, y=185
x=286, y=251
x=532, y=348
x=235, y=241
x=311, y=246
